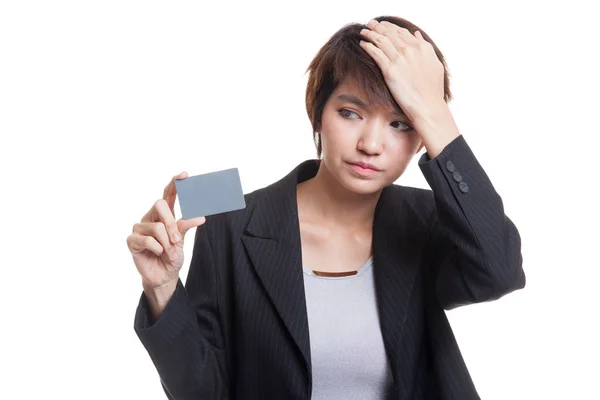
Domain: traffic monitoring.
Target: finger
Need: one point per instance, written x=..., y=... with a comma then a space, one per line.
x=384, y=27
x=394, y=36
x=170, y=192
x=424, y=42
x=399, y=32
x=377, y=54
x=169, y=195
x=160, y=212
x=138, y=243
x=165, y=215
x=185, y=225
x=383, y=43
x=156, y=230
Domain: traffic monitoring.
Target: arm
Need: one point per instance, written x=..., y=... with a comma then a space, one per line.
x=473, y=247
x=185, y=342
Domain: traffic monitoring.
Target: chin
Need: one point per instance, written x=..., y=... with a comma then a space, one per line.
x=362, y=186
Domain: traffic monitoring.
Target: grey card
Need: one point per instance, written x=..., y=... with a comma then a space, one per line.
x=211, y=193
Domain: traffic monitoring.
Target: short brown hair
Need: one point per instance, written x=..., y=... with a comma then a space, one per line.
x=342, y=57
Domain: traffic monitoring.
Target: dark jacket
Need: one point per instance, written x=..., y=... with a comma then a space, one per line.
x=239, y=329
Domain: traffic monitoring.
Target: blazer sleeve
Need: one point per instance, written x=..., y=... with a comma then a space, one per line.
x=185, y=343
x=473, y=248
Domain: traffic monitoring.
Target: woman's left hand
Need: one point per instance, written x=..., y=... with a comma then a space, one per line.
x=410, y=67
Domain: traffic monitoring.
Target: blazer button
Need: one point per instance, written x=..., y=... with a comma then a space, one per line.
x=463, y=187
x=457, y=176
x=450, y=166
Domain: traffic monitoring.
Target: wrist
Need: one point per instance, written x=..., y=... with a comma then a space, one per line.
x=159, y=296
x=437, y=128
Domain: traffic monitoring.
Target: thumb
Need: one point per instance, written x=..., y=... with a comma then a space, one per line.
x=185, y=225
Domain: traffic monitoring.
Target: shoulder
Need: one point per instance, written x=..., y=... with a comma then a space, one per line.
x=410, y=204
x=410, y=193
x=236, y=221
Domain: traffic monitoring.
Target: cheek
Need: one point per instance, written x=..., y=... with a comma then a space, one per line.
x=336, y=131
x=404, y=144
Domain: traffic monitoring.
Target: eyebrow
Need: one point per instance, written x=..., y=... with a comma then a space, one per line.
x=353, y=99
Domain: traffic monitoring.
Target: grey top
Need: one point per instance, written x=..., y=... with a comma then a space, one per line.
x=347, y=351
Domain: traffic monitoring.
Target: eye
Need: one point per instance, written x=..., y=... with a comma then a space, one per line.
x=403, y=126
x=345, y=113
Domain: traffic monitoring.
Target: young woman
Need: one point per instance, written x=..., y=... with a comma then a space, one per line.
x=332, y=282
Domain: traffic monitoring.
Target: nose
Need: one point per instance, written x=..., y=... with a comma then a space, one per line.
x=371, y=140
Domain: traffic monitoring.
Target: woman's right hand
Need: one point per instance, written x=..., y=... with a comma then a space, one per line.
x=156, y=242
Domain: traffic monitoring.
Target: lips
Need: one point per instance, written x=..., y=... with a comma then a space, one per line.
x=363, y=170
x=365, y=165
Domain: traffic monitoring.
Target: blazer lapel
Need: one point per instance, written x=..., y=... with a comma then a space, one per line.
x=272, y=240
x=395, y=254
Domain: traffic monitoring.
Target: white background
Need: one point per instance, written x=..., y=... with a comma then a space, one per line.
x=102, y=102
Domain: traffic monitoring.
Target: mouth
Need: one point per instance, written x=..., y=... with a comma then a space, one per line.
x=364, y=168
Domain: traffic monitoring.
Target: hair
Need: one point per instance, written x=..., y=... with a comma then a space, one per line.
x=341, y=58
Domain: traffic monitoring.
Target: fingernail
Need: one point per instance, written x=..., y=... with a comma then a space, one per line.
x=177, y=236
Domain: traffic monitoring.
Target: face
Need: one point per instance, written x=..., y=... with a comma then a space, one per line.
x=353, y=133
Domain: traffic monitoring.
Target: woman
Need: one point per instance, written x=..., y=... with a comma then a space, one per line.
x=332, y=282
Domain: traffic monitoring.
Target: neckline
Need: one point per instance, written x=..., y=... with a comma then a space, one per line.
x=344, y=275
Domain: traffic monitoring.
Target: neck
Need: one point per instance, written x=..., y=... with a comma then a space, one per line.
x=325, y=199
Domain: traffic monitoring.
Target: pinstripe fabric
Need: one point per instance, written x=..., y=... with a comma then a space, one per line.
x=239, y=328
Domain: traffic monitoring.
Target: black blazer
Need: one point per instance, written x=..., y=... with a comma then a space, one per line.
x=239, y=329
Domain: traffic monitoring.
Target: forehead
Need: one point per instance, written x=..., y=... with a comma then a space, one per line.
x=348, y=90
x=349, y=86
